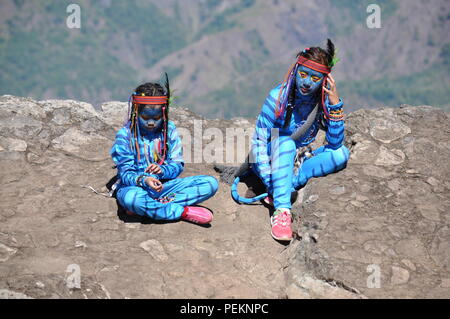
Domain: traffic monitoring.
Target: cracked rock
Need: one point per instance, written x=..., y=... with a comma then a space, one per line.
x=6, y=252
x=400, y=276
x=155, y=249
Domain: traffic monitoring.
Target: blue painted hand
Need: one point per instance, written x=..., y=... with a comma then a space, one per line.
x=332, y=92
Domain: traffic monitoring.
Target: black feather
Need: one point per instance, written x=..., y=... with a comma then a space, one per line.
x=330, y=51
x=167, y=85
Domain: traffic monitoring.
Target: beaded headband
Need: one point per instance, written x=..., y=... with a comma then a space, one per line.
x=150, y=100
x=313, y=65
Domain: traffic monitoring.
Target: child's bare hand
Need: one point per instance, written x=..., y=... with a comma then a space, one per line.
x=154, y=184
x=153, y=169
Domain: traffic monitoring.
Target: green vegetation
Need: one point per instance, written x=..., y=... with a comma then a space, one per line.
x=52, y=59
x=120, y=40
x=173, y=72
x=429, y=87
x=246, y=63
x=244, y=98
x=82, y=63
x=223, y=21
x=445, y=54
x=160, y=34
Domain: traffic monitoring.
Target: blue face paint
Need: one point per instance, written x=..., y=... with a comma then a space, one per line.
x=308, y=81
x=150, y=119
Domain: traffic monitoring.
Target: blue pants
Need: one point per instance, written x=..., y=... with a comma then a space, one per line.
x=170, y=202
x=283, y=181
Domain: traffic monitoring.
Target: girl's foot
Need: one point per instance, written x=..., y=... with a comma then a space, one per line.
x=268, y=200
x=282, y=224
x=198, y=215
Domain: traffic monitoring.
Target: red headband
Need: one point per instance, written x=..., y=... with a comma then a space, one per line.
x=313, y=65
x=151, y=100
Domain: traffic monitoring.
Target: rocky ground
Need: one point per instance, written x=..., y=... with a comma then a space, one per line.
x=387, y=214
x=379, y=229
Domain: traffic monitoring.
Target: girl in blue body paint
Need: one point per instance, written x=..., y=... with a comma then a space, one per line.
x=273, y=153
x=148, y=155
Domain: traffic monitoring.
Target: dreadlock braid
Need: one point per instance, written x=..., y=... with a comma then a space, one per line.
x=166, y=117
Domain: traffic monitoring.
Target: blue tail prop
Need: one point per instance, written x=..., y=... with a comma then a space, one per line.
x=242, y=200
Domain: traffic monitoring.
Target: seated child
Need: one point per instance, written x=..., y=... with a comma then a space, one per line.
x=148, y=155
x=287, y=107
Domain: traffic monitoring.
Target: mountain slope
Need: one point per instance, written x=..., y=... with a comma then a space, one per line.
x=223, y=56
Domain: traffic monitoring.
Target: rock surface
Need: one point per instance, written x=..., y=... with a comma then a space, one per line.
x=379, y=229
x=389, y=210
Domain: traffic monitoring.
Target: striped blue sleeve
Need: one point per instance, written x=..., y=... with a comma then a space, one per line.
x=259, y=152
x=174, y=164
x=335, y=132
x=124, y=158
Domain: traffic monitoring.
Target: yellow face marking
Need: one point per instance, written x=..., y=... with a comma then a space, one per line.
x=303, y=75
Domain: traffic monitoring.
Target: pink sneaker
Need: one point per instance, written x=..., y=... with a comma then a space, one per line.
x=198, y=215
x=282, y=224
x=268, y=200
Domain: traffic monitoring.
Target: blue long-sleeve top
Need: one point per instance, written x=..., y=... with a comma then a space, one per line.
x=130, y=168
x=267, y=121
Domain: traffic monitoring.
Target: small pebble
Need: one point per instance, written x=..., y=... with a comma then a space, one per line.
x=80, y=243
x=40, y=284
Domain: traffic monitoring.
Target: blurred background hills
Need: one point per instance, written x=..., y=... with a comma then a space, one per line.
x=223, y=56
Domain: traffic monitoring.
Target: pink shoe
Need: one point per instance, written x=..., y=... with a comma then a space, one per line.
x=268, y=200
x=282, y=225
x=198, y=215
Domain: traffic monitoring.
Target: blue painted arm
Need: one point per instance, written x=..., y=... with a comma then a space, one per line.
x=123, y=157
x=174, y=164
x=335, y=132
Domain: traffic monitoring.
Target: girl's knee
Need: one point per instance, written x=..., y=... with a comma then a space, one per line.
x=127, y=197
x=213, y=183
x=341, y=156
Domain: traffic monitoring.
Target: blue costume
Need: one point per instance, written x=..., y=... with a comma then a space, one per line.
x=289, y=120
x=274, y=156
x=135, y=195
